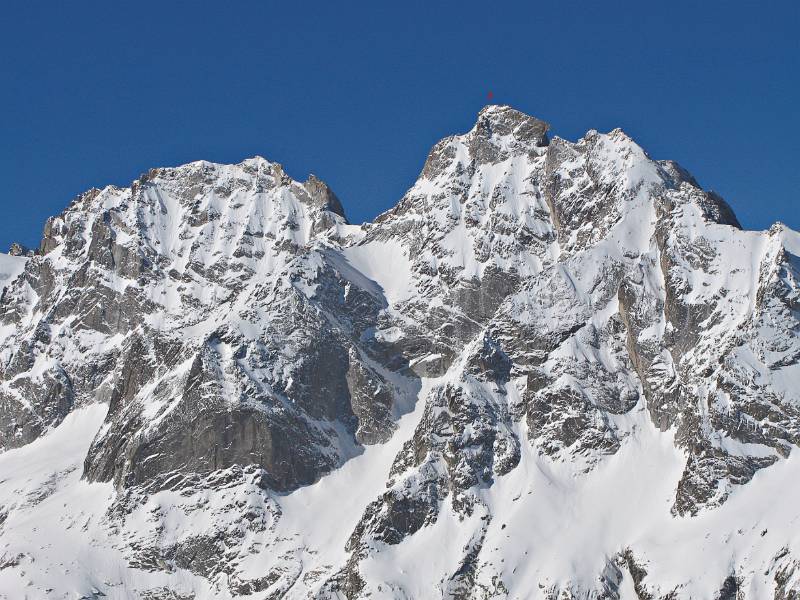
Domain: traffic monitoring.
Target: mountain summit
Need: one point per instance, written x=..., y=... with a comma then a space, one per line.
x=553, y=370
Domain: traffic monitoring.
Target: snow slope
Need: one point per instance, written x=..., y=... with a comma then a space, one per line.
x=10, y=268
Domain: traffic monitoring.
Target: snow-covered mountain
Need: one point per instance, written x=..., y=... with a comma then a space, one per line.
x=554, y=370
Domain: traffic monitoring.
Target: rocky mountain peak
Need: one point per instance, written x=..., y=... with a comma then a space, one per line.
x=18, y=249
x=502, y=121
x=212, y=387
x=499, y=132
x=322, y=196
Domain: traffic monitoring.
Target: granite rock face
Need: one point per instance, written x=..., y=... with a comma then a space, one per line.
x=539, y=330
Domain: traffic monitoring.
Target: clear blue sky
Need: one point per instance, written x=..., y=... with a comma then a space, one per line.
x=97, y=93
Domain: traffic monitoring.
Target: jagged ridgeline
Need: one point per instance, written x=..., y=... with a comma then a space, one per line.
x=553, y=370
